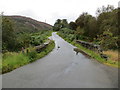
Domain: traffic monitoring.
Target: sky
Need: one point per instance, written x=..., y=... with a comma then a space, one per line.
x=50, y=10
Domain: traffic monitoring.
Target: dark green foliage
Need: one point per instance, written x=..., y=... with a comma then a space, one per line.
x=107, y=41
x=87, y=25
x=39, y=38
x=72, y=25
x=81, y=20
x=67, y=33
x=32, y=55
x=57, y=26
x=64, y=23
x=60, y=24
x=8, y=35
x=102, y=29
x=108, y=20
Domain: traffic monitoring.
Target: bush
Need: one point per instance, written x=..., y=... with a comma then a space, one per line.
x=32, y=55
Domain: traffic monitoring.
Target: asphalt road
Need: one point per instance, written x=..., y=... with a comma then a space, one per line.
x=62, y=68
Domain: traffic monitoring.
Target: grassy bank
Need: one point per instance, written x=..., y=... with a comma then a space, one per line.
x=13, y=60
x=93, y=54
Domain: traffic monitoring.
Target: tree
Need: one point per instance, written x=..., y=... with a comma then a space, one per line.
x=8, y=35
x=80, y=20
x=57, y=26
x=104, y=9
x=79, y=32
x=64, y=23
x=92, y=28
x=72, y=25
x=88, y=23
x=60, y=24
x=108, y=20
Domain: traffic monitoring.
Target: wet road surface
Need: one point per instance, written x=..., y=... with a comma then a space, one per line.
x=62, y=68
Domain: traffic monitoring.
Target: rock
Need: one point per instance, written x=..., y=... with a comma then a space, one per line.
x=40, y=47
x=104, y=56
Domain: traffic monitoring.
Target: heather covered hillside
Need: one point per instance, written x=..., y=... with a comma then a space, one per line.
x=26, y=24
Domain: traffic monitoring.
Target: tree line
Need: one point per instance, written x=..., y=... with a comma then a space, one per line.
x=102, y=29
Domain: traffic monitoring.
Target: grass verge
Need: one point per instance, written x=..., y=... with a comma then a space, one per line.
x=13, y=60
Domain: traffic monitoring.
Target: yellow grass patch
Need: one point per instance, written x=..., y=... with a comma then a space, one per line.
x=113, y=55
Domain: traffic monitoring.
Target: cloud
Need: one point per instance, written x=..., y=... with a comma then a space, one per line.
x=50, y=10
x=27, y=12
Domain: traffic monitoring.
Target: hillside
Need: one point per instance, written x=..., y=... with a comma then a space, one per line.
x=26, y=24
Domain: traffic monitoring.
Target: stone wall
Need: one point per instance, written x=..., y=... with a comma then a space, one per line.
x=93, y=47
x=42, y=46
x=90, y=46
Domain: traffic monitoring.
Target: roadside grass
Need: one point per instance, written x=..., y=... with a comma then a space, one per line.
x=13, y=60
x=49, y=48
x=113, y=55
x=95, y=55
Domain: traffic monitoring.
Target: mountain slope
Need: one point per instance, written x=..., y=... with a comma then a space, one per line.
x=26, y=24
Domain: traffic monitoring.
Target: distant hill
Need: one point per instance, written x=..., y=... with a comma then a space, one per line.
x=26, y=24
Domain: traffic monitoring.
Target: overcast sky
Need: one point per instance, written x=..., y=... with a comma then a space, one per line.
x=51, y=10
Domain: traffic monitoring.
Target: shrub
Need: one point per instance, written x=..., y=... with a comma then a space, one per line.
x=32, y=55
